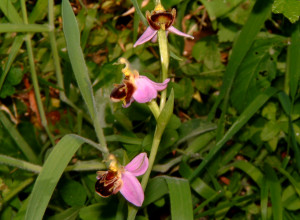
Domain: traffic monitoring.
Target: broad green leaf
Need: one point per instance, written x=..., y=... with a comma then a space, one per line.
x=67, y=193
x=180, y=198
x=290, y=199
x=289, y=8
x=275, y=192
x=237, y=125
x=50, y=174
x=156, y=188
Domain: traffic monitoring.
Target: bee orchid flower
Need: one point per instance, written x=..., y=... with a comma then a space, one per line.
x=159, y=19
x=123, y=179
x=135, y=87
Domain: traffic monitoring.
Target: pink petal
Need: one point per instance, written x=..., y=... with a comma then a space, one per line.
x=132, y=189
x=178, y=32
x=139, y=165
x=147, y=89
x=146, y=36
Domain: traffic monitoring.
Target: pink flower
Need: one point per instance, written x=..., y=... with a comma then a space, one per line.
x=123, y=179
x=159, y=19
x=135, y=87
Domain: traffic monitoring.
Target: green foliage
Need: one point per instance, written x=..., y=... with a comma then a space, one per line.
x=289, y=8
x=227, y=139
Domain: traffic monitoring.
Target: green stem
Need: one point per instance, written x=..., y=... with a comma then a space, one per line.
x=156, y=140
x=164, y=59
x=154, y=108
x=34, y=76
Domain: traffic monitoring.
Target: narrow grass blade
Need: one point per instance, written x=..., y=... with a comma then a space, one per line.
x=138, y=10
x=293, y=64
x=50, y=174
x=275, y=192
x=11, y=57
x=156, y=188
x=247, y=168
x=80, y=70
x=20, y=141
x=237, y=125
x=180, y=198
x=20, y=164
x=23, y=28
x=259, y=14
x=264, y=191
x=10, y=12
x=39, y=11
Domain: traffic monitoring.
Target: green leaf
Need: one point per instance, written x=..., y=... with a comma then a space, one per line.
x=180, y=198
x=18, y=41
x=72, y=35
x=68, y=214
x=68, y=195
x=217, y=8
x=20, y=141
x=264, y=191
x=237, y=125
x=50, y=174
x=10, y=12
x=293, y=64
x=289, y=8
x=275, y=192
x=156, y=188
x=165, y=114
x=259, y=14
x=290, y=200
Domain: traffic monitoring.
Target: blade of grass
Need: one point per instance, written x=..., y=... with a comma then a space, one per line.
x=20, y=141
x=23, y=28
x=275, y=192
x=80, y=70
x=34, y=76
x=50, y=174
x=10, y=12
x=293, y=64
x=138, y=10
x=39, y=11
x=180, y=198
x=11, y=57
x=237, y=125
x=264, y=190
x=20, y=164
x=260, y=12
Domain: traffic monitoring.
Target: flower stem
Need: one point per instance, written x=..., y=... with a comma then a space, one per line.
x=154, y=108
x=164, y=58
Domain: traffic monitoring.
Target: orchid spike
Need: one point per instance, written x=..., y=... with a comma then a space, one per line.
x=135, y=87
x=123, y=179
x=159, y=19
